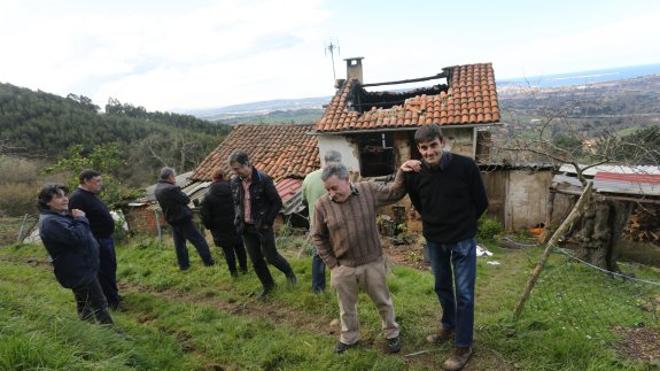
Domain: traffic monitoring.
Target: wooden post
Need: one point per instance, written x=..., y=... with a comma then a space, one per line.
x=19, y=237
x=576, y=212
x=549, y=209
x=158, y=229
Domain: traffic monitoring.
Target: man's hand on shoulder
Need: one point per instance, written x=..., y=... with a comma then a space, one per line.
x=411, y=166
x=77, y=213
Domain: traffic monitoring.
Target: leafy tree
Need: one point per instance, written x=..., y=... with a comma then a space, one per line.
x=105, y=158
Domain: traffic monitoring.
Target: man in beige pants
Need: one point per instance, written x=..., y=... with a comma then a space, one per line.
x=346, y=237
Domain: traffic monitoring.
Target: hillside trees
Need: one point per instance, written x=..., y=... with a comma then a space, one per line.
x=41, y=125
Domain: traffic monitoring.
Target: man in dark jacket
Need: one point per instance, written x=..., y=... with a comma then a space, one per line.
x=178, y=215
x=447, y=190
x=217, y=209
x=103, y=226
x=257, y=204
x=74, y=250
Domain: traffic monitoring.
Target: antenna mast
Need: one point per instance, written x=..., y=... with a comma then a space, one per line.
x=331, y=49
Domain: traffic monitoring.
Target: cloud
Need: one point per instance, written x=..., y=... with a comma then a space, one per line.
x=158, y=59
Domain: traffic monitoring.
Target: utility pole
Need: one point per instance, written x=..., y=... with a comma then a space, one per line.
x=331, y=49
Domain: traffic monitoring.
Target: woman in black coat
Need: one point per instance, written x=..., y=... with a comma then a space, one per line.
x=217, y=210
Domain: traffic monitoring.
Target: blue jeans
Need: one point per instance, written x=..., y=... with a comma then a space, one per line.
x=108, y=270
x=188, y=231
x=318, y=273
x=457, y=310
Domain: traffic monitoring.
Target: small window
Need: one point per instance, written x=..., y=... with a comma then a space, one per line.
x=376, y=154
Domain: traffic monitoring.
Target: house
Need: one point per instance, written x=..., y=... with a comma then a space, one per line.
x=374, y=129
x=287, y=153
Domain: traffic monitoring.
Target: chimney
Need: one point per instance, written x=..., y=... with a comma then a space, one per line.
x=354, y=68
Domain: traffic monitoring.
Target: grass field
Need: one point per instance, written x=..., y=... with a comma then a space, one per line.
x=203, y=319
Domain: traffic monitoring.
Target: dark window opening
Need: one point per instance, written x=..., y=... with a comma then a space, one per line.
x=376, y=154
x=361, y=100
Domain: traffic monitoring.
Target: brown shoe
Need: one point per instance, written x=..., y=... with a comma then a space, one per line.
x=440, y=337
x=458, y=358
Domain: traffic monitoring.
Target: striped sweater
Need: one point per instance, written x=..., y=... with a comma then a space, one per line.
x=346, y=233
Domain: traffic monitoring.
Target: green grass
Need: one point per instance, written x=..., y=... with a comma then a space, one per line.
x=203, y=318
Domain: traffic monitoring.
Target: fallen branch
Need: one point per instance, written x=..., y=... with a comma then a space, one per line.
x=575, y=214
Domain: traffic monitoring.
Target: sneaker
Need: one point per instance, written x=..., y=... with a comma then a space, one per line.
x=341, y=347
x=393, y=345
x=441, y=336
x=458, y=358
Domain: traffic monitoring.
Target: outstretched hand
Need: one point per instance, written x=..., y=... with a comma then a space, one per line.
x=411, y=165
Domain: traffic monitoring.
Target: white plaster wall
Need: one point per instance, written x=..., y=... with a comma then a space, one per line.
x=459, y=140
x=349, y=151
x=527, y=193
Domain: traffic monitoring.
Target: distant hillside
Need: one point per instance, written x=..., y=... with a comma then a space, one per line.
x=606, y=106
x=39, y=124
x=261, y=108
x=300, y=110
x=299, y=116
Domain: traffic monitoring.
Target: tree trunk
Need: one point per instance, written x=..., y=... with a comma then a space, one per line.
x=599, y=231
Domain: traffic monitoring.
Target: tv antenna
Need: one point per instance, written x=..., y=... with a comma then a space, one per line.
x=331, y=49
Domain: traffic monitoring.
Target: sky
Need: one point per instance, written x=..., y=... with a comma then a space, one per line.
x=183, y=55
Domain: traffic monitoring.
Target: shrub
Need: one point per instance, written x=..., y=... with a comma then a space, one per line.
x=17, y=199
x=488, y=228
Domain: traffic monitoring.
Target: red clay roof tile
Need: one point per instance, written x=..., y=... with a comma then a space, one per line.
x=471, y=97
x=281, y=151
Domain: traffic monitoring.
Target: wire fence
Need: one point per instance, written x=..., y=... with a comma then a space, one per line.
x=16, y=229
x=582, y=301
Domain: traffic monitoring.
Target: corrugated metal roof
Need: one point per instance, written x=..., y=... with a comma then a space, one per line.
x=287, y=188
x=611, y=168
x=612, y=183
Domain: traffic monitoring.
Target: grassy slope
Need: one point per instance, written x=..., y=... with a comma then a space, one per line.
x=204, y=319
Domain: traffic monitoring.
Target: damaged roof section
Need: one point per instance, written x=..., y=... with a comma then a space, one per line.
x=468, y=97
x=281, y=151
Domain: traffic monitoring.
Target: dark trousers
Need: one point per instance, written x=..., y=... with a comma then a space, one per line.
x=91, y=303
x=232, y=250
x=188, y=231
x=318, y=273
x=457, y=310
x=108, y=271
x=261, y=244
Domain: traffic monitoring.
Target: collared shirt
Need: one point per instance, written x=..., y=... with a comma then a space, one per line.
x=247, y=205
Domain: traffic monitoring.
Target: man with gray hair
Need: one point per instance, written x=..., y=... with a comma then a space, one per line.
x=346, y=236
x=312, y=189
x=178, y=215
x=256, y=204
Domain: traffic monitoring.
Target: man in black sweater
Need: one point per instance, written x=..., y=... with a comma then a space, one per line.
x=85, y=198
x=178, y=215
x=448, y=192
